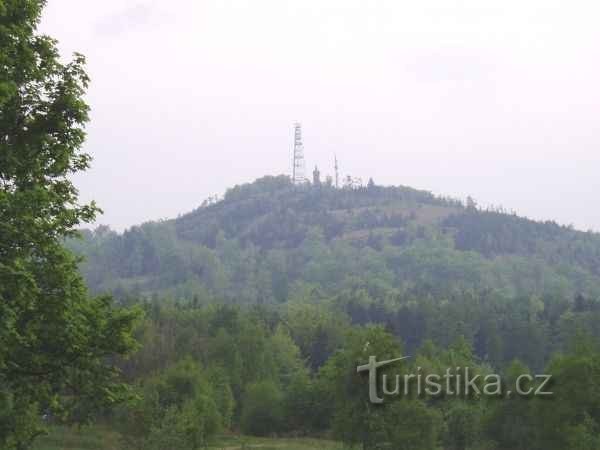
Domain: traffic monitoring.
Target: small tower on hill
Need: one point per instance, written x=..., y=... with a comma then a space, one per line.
x=316, y=177
x=337, y=172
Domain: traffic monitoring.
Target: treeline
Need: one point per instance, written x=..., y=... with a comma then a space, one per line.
x=291, y=371
x=494, y=233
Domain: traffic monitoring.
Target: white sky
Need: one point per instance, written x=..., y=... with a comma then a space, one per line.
x=496, y=99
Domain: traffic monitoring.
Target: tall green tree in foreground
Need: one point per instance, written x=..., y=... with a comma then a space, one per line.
x=55, y=341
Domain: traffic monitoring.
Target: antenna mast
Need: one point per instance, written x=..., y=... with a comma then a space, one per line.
x=298, y=165
x=337, y=173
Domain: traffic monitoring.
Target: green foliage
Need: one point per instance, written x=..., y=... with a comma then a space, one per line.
x=189, y=427
x=425, y=267
x=247, y=369
x=411, y=425
x=301, y=405
x=316, y=330
x=573, y=418
x=510, y=419
x=463, y=425
x=299, y=276
x=179, y=408
x=55, y=340
x=584, y=436
x=355, y=419
x=497, y=233
x=264, y=239
x=262, y=411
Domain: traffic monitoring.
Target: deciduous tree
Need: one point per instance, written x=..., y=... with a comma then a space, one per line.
x=55, y=340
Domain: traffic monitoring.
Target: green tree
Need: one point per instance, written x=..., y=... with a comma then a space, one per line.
x=356, y=420
x=188, y=427
x=411, y=425
x=263, y=408
x=463, y=425
x=584, y=436
x=54, y=339
x=301, y=413
x=570, y=418
x=178, y=408
x=511, y=420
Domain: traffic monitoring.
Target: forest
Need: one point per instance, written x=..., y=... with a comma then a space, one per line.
x=242, y=323
x=291, y=372
x=277, y=288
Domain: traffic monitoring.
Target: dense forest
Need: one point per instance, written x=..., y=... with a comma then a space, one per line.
x=268, y=241
x=423, y=266
x=291, y=371
x=264, y=302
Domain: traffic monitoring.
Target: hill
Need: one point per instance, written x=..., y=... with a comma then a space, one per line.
x=276, y=279
x=269, y=241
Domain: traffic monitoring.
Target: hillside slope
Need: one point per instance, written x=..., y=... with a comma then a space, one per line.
x=270, y=241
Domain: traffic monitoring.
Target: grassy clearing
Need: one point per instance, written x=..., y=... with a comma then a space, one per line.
x=101, y=438
x=247, y=443
x=85, y=438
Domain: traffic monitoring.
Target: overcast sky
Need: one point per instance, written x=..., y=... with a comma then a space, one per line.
x=495, y=99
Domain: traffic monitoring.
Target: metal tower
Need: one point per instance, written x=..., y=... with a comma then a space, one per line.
x=337, y=172
x=298, y=165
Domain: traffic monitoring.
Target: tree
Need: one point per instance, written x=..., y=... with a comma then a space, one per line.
x=570, y=419
x=301, y=408
x=471, y=203
x=189, y=427
x=584, y=436
x=355, y=419
x=411, y=425
x=263, y=408
x=510, y=421
x=179, y=408
x=463, y=425
x=54, y=339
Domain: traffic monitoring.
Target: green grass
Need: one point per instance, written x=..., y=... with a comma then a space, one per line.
x=85, y=438
x=101, y=438
x=250, y=443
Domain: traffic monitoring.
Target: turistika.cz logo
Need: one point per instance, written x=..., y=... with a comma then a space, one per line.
x=455, y=381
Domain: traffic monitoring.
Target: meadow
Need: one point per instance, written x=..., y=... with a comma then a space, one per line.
x=102, y=438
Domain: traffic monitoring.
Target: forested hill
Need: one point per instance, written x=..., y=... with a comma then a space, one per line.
x=270, y=241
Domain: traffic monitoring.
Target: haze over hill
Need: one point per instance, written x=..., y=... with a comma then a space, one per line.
x=498, y=100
